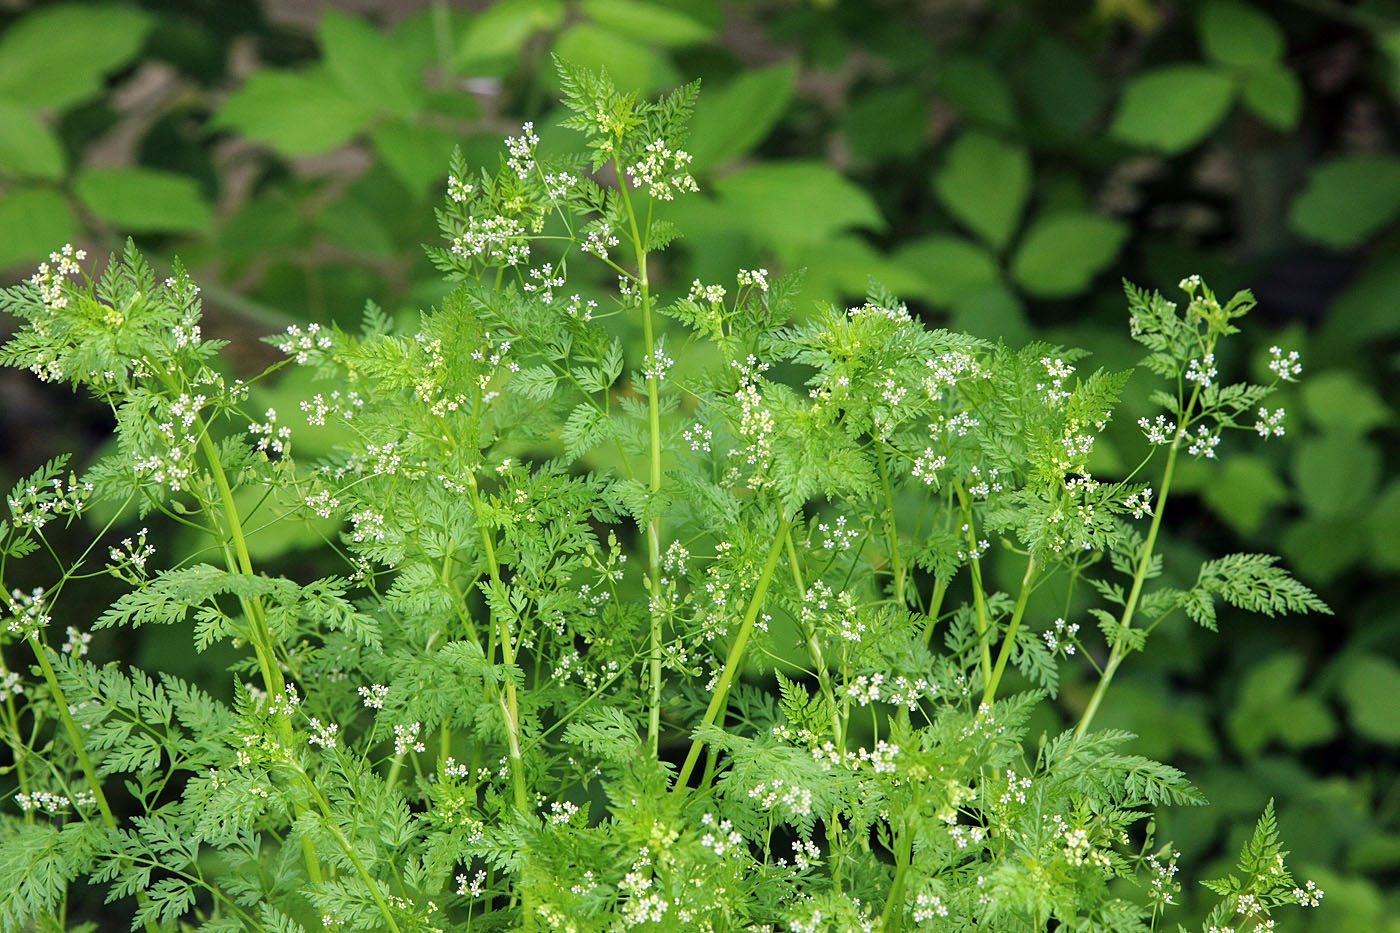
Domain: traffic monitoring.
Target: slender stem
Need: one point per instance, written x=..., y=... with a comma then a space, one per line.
x=935, y=605
x=1009, y=641
x=1117, y=653
x=736, y=651
x=814, y=647
x=262, y=639
x=75, y=738
x=979, y=597
x=654, y=425
x=510, y=707
x=891, y=531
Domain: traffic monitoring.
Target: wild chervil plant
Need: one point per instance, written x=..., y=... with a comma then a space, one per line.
x=494, y=720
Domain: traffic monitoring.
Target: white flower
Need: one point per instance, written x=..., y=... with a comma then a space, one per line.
x=1288, y=368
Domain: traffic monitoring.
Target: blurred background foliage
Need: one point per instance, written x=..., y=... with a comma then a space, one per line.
x=1001, y=165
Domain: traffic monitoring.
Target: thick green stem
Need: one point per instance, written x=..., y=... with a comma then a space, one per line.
x=1116, y=652
x=1009, y=641
x=935, y=605
x=736, y=651
x=892, y=917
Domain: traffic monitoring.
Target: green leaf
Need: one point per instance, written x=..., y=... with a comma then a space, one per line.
x=948, y=267
x=417, y=155
x=631, y=65
x=886, y=123
x=994, y=312
x=139, y=200
x=1370, y=685
x=842, y=267
x=1364, y=310
x=1239, y=35
x=1275, y=96
x=1270, y=707
x=1244, y=490
x=1383, y=523
x=56, y=57
x=372, y=70
x=1388, y=40
x=1061, y=253
x=33, y=222
x=648, y=22
x=1321, y=548
x=498, y=32
x=787, y=205
x=973, y=85
x=1061, y=86
x=27, y=146
x=1339, y=400
x=730, y=121
x=1173, y=107
x=1348, y=199
x=295, y=112
x=984, y=184
x=1336, y=473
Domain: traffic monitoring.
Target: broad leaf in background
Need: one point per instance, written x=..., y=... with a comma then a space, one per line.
x=33, y=221
x=984, y=184
x=495, y=35
x=652, y=22
x=731, y=120
x=1370, y=685
x=1173, y=107
x=1239, y=35
x=1348, y=199
x=375, y=72
x=1272, y=708
x=1337, y=400
x=1062, y=252
x=788, y=206
x=948, y=268
x=28, y=148
x=296, y=113
x=974, y=86
x=143, y=200
x=632, y=65
x=1274, y=95
x=1244, y=491
x=58, y=56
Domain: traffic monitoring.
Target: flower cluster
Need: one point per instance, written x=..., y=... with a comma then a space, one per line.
x=662, y=171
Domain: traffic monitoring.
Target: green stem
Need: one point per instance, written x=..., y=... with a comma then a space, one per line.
x=75, y=738
x=510, y=706
x=1117, y=653
x=979, y=597
x=814, y=647
x=654, y=425
x=891, y=531
x=1009, y=641
x=736, y=651
x=935, y=605
x=262, y=640
x=892, y=917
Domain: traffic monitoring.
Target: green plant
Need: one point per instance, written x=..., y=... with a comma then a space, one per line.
x=492, y=719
